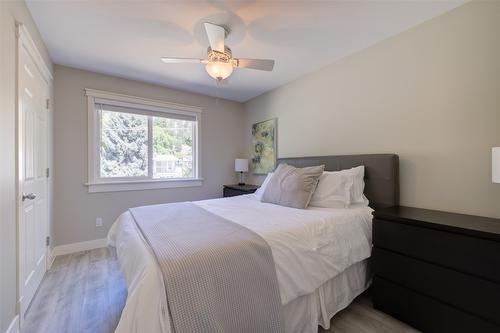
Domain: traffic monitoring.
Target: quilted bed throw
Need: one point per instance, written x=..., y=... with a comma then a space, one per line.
x=219, y=276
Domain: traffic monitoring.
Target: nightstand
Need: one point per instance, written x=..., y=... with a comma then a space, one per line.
x=234, y=190
x=437, y=271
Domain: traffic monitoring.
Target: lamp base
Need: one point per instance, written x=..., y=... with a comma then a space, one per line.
x=242, y=180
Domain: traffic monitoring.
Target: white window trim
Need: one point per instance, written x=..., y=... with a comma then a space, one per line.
x=97, y=184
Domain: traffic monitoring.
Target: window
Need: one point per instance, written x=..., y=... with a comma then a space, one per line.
x=126, y=137
x=135, y=143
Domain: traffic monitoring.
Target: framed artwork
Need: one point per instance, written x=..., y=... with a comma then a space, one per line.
x=263, y=147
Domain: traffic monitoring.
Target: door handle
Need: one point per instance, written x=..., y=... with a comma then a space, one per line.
x=29, y=196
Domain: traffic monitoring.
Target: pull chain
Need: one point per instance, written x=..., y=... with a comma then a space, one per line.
x=217, y=91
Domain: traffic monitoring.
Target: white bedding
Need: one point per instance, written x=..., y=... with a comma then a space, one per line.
x=310, y=247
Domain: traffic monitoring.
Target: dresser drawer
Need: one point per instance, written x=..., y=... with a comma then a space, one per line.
x=425, y=313
x=466, y=292
x=476, y=256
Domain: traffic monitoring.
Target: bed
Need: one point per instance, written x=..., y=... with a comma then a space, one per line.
x=321, y=255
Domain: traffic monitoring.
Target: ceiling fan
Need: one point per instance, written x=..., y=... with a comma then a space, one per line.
x=220, y=62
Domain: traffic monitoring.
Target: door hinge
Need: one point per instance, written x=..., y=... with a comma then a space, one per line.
x=48, y=103
x=47, y=241
x=47, y=172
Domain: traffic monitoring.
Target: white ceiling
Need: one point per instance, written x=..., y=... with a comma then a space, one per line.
x=127, y=39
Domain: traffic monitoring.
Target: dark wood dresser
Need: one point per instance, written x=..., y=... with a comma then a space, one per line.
x=233, y=190
x=437, y=271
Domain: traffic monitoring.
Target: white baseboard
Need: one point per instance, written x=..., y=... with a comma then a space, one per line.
x=77, y=247
x=50, y=258
x=14, y=326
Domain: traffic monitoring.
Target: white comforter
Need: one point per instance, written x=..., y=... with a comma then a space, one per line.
x=309, y=247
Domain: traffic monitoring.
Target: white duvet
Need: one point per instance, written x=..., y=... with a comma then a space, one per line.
x=309, y=247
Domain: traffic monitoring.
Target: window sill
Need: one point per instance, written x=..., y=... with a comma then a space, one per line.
x=137, y=185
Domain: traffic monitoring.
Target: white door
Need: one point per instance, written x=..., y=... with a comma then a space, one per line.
x=33, y=94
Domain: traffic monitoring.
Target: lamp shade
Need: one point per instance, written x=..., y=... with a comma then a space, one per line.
x=241, y=165
x=219, y=70
x=495, y=164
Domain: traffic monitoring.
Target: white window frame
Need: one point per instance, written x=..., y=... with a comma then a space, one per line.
x=110, y=184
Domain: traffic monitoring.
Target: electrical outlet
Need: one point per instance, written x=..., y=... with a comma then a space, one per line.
x=98, y=222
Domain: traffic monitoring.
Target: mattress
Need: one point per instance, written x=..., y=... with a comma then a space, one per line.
x=310, y=247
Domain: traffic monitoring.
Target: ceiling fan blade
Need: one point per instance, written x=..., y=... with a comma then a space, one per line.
x=169, y=60
x=216, y=35
x=260, y=64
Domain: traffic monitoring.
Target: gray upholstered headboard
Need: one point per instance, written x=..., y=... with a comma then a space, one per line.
x=381, y=173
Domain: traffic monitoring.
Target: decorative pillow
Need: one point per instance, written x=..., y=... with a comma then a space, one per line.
x=262, y=188
x=333, y=190
x=292, y=187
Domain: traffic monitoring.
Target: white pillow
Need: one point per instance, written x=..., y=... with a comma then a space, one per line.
x=333, y=190
x=358, y=186
x=262, y=188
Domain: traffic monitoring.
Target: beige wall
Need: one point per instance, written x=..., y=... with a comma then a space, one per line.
x=430, y=94
x=76, y=209
x=10, y=13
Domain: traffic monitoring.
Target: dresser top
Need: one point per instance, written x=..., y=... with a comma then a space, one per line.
x=246, y=187
x=479, y=226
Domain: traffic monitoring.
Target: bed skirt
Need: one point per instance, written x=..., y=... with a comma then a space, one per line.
x=304, y=314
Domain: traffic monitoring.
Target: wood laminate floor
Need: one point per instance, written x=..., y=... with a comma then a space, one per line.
x=85, y=292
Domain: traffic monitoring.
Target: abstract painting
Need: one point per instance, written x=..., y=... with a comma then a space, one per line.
x=263, y=147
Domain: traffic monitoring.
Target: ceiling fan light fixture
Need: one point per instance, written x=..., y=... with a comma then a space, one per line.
x=220, y=62
x=219, y=70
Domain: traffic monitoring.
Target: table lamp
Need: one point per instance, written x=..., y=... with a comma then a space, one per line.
x=241, y=165
x=495, y=164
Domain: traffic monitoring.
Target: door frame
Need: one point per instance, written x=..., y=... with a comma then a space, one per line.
x=24, y=40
